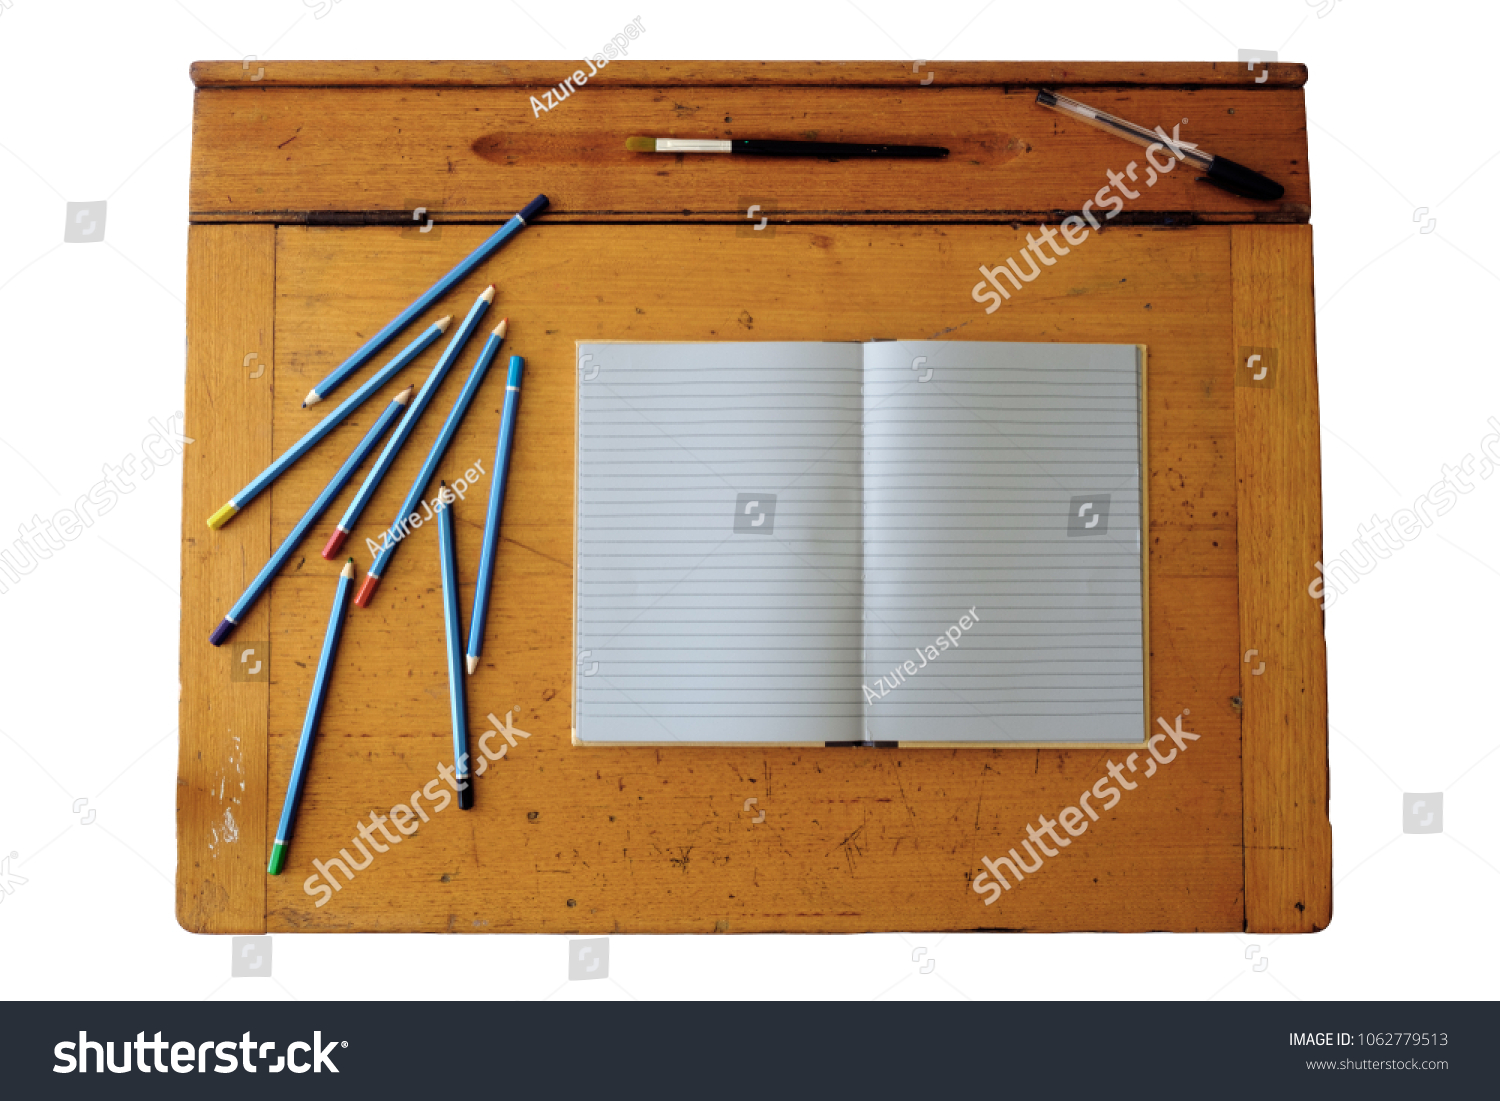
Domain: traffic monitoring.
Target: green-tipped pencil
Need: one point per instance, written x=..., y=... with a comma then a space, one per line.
x=314, y=717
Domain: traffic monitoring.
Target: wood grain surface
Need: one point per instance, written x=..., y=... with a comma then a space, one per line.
x=221, y=771
x=590, y=839
x=819, y=74
x=325, y=154
x=651, y=840
x=1288, y=840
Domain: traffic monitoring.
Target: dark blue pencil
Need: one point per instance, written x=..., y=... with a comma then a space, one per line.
x=314, y=716
x=272, y=567
x=436, y=291
x=457, y=705
x=503, y=446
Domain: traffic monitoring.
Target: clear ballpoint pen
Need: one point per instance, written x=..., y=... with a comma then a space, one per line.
x=1219, y=171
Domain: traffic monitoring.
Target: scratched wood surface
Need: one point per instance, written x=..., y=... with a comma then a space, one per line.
x=648, y=840
x=1288, y=841
x=643, y=840
x=297, y=153
x=221, y=771
x=817, y=74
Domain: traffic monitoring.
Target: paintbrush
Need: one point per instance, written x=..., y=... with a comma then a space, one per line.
x=762, y=147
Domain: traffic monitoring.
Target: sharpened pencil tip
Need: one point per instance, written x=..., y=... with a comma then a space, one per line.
x=472, y=662
x=405, y=395
x=489, y=293
x=442, y=323
x=348, y=570
x=313, y=397
x=500, y=329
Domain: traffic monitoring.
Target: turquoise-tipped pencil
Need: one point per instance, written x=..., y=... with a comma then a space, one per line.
x=503, y=446
x=328, y=423
x=355, y=460
x=408, y=517
x=433, y=293
x=313, y=718
x=453, y=632
x=404, y=429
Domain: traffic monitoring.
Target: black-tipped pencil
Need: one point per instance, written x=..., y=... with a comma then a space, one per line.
x=454, y=634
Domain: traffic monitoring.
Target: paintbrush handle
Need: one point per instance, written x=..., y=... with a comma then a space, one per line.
x=832, y=150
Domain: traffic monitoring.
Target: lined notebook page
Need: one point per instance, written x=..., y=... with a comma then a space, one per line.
x=1007, y=483
x=718, y=543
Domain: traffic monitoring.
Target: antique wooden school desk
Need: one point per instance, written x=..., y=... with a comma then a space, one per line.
x=305, y=179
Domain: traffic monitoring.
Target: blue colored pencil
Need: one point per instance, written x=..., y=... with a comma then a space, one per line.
x=437, y=290
x=328, y=423
x=355, y=460
x=314, y=716
x=408, y=423
x=497, y=503
x=408, y=517
x=457, y=707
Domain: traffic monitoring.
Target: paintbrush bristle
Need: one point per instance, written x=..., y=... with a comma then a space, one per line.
x=641, y=145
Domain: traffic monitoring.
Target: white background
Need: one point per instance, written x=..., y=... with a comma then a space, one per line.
x=96, y=104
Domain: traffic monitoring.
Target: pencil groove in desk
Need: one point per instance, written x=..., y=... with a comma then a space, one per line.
x=1175, y=219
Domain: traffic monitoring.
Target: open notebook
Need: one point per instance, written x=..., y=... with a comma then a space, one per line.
x=920, y=542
